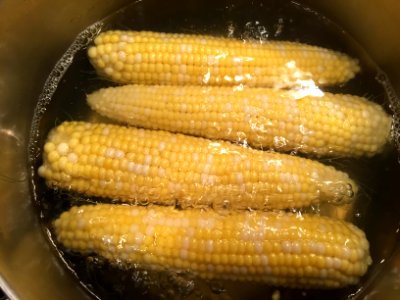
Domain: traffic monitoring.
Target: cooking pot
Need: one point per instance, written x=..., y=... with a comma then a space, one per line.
x=33, y=36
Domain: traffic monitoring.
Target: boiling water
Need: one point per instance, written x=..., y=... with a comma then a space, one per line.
x=63, y=99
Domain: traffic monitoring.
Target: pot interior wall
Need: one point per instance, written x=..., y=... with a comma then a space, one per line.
x=29, y=48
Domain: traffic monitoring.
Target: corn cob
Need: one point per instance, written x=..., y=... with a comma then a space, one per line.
x=163, y=58
x=327, y=124
x=273, y=247
x=160, y=167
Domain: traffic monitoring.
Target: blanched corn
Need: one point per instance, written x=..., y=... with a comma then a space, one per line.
x=283, y=249
x=163, y=58
x=160, y=167
x=321, y=124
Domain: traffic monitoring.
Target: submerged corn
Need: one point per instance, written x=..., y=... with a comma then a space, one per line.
x=319, y=123
x=283, y=249
x=163, y=58
x=138, y=165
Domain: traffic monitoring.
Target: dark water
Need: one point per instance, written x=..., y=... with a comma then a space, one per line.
x=375, y=210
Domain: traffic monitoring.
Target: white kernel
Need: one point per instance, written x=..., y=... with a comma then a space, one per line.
x=211, y=179
x=264, y=260
x=181, y=78
x=195, y=156
x=124, y=38
x=295, y=178
x=337, y=263
x=228, y=108
x=190, y=231
x=235, y=270
x=183, y=48
x=109, y=152
x=296, y=248
x=258, y=246
x=239, y=178
x=267, y=270
x=139, y=237
x=320, y=248
x=176, y=223
x=167, y=222
x=81, y=223
x=118, y=185
x=106, y=58
x=105, y=131
x=329, y=262
x=204, y=179
x=63, y=148
x=131, y=166
x=322, y=228
x=207, y=168
x=161, y=146
x=210, y=158
x=178, y=59
x=346, y=252
x=138, y=57
x=185, y=222
x=212, y=59
x=210, y=245
x=184, y=254
x=182, y=69
x=365, y=114
x=285, y=177
x=102, y=183
x=109, y=70
x=72, y=157
x=138, y=169
x=161, y=172
x=185, y=242
x=286, y=246
x=150, y=230
x=145, y=170
x=237, y=159
x=122, y=55
x=134, y=212
x=206, y=223
x=183, y=107
x=119, y=154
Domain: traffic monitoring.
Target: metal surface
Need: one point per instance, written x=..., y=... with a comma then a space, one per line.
x=33, y=35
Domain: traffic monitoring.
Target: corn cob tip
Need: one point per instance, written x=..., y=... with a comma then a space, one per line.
x=343, y=192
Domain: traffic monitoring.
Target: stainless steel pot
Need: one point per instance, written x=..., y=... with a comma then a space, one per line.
x=33, y=36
